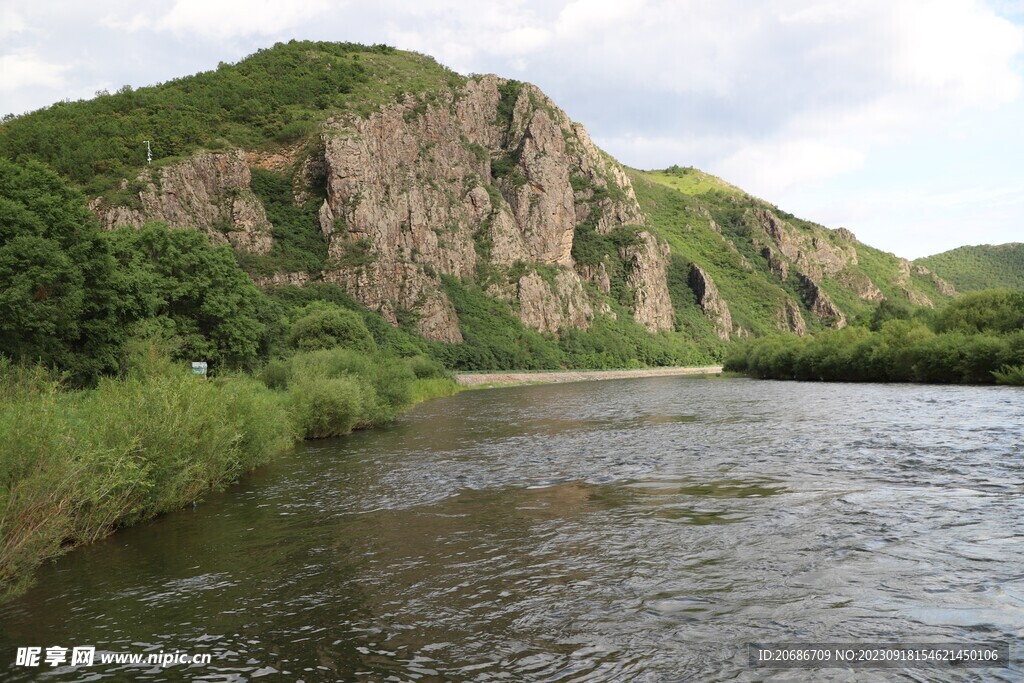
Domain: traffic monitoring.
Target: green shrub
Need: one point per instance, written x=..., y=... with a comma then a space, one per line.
x=900, y=351
x=1010, y=374
x=996, y=310
x=426, y=368
x=58, y=286
x=392, y=383
x=76, y=465
x=325, y=326
x=275, y=375
x=326, y=406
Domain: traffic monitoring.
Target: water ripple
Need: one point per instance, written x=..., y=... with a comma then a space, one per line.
x=637, y=530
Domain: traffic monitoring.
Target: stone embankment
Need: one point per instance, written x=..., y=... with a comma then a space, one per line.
x=491, y=378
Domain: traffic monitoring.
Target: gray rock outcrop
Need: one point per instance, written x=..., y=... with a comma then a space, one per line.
x=820, y=304
x=811, y=254
x=550, y=308
x=209, y=191
x=790, y=319
x=647, y=263
x=418, y=184
x=711, y=302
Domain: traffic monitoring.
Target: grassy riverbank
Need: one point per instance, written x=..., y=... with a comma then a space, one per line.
x=77, y=465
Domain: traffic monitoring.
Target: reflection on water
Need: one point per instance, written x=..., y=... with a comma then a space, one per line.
x=627, y=530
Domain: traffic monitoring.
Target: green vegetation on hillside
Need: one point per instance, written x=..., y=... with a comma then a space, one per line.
x=299, y=245
x=753, y=294
x=983, y=267
x=979, y=339
x=711, y=223
x=274, y=97
x=495, y=339
x=692, y=181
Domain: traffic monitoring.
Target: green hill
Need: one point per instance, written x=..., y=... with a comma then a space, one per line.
x=275, y=97
x=975, y=268
x=758, y=253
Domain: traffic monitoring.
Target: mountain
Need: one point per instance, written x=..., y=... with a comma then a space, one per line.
x=453, y=205
x=980, y=267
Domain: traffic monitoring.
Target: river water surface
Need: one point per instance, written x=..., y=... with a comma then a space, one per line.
x=629, y=530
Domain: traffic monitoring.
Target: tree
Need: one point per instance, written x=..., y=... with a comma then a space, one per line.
x=57, y=278
x=197, y=290
x=325, y=326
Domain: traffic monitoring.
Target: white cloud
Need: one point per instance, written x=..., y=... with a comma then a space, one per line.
x=226, y=19
x=19, y=71
x=809, y=89
x=213, y=18
x=964, y=53
x=135, y=22
x=11, y=22
x=768, y=168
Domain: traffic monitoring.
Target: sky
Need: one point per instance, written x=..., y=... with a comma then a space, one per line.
x=902, y=120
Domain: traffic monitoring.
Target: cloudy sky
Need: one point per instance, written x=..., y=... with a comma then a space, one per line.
x=902, y=120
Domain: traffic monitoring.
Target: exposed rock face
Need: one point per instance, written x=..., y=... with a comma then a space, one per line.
x=811, y=254
x=711, y=302
x=275, y=160
x=820, y=304
x=777, y=265
x=597, y=274
x=491, y=174
x=903, y=282
x=548, y=309
x=943, y=286
x=115, y=216
x=387, y=286
x=647, y=265
x=846, y=235
x=437, y=319
x=790, y=319
x=861, y=285
x=297, y=279
x=411, y=185
x=209, y=192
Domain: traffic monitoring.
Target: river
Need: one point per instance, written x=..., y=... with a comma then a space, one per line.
x=626, y=530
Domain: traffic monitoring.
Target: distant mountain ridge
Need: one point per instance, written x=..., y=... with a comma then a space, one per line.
x=972, y=268
x=422, y=193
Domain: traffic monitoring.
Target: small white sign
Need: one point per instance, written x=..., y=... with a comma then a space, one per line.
x=199, y=367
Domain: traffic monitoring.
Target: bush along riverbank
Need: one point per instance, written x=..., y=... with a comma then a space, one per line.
x=977, y=339
x=78, y=464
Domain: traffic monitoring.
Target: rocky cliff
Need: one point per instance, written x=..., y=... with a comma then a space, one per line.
x=486, y=178
x=410, y=183
x=711, y=302
x=209, y=192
